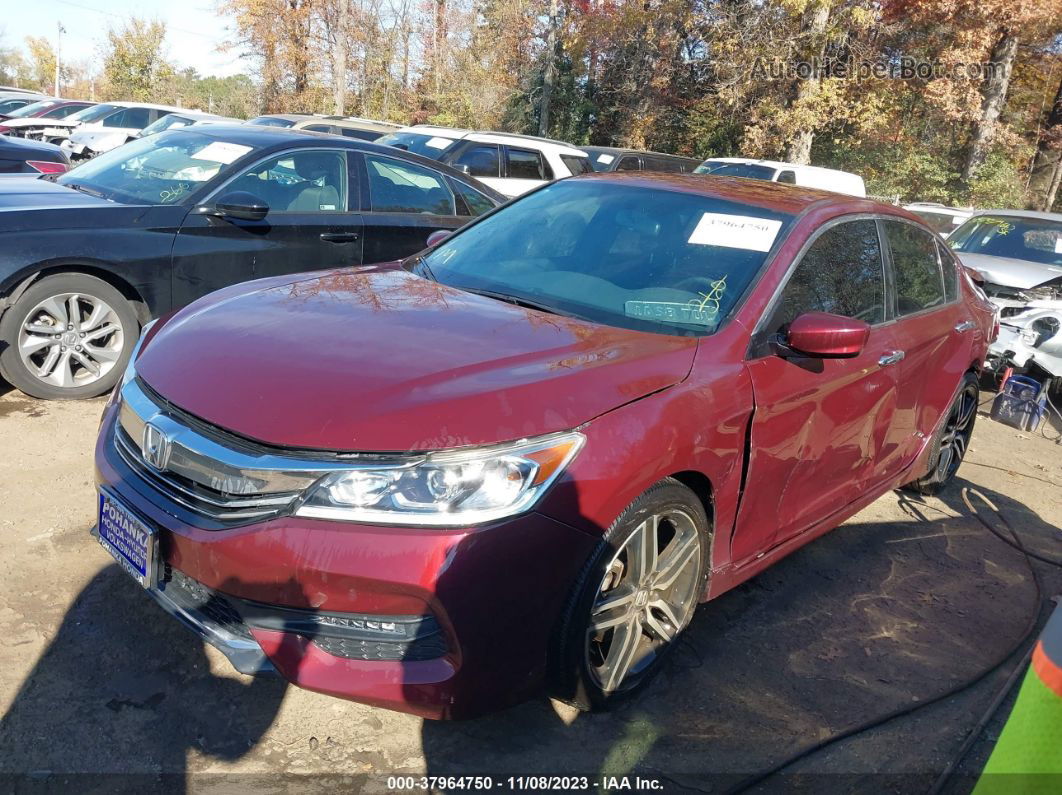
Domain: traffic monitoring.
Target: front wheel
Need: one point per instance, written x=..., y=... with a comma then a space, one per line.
x=636, y=594
x=952, y=440
x=69, y=336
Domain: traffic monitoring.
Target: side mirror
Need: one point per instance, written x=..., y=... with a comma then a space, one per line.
x=238, y=204
x=976, y=275
x=827, y=336
x=463, y=168
x=437, y=237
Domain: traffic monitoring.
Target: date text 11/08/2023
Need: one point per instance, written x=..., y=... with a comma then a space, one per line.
x=531, y=783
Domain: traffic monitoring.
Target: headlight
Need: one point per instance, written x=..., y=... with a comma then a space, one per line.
x=446, y=489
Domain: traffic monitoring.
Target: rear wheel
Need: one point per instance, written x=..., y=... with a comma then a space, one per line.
x=952, y=440
x=68, y=336
x=636, y=594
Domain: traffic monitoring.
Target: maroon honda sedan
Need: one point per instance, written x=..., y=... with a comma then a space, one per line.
x=523, y=457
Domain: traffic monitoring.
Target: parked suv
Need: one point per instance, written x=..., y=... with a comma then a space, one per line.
x=610, y=158
x=511, y=164
x=524, y=456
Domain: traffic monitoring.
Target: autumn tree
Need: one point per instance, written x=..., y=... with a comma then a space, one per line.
x=134, y=62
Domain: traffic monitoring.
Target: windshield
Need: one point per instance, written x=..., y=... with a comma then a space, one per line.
x=628, y=256
x=172, y=120
x=940, y=221
x=270, y=121
x=35, y=107
x=722, y=169
x=9, y=105
x=1013, y=236
x=162, y=169
x=92, y=113
x=427, y=145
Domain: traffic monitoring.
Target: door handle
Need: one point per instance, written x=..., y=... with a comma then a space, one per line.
x=891, y=358
x=966, y=325
x=339, y=237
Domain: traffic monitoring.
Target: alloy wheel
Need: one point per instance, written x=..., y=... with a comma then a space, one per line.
x=957, y=431
x=647, y=595
x=71, y=340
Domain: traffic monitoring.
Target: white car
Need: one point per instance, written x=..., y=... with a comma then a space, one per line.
x=184, y=118
x=114, y=128
x=511, y=164
x=788, y=173
x=944, y=220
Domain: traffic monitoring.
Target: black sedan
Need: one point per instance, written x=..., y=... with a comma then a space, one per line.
x=89, y=256
x=19, y=156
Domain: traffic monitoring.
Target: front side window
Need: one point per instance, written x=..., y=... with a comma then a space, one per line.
x=840, y=273
x=916, y=268
x=786, y=178
x=399, y=187
x=629, y=256
x=629, y=163
x=481, y=160
x=307, y=181
x=663, y=164
x=527, y=164
x=161, y=169
x=1014, y=236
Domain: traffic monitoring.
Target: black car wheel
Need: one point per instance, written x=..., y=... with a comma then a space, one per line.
x=68, y=336
x=635, y=595
x=952, y=440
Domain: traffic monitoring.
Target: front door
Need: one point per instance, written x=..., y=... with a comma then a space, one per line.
x=309, y=226
x=820, y=429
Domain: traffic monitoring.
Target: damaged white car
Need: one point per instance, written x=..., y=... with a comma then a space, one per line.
x=1017, y=255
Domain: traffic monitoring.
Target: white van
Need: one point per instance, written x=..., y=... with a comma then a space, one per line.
x=790, y=173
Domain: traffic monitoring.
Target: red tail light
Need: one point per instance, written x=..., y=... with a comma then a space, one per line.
x=4, y=129
x=47, y=166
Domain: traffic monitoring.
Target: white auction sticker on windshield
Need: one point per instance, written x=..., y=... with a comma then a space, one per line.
x=606, y=159
x=735, y=231
x=438, y=142
x=221, y=152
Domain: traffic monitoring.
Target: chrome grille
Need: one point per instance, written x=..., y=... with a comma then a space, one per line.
x=211, y=474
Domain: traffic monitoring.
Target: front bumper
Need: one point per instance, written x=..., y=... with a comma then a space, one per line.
x=494, y=593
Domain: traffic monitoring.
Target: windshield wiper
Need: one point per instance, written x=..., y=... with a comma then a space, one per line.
x=422, y=262
x=516, y=300
x=85, y=189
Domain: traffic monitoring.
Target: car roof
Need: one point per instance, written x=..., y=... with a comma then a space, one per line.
x=618, y=150
x=289, y=116
x=785, y=198
x=150, y=105
x=351, y=123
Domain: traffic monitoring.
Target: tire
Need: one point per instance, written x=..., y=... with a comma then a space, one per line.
x=587, y=665
x=952, y=440
x=95, y=328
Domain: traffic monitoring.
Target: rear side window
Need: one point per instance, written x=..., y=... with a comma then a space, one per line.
x=577, y=165
x=527, y=164
x=399, y=187
x=841, y=273
x=951, y=275
x=325, y=128
x=916, y=268
x=475, y=202
x=482, y=160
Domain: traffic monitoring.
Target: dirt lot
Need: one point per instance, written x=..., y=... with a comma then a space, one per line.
x=898, y=604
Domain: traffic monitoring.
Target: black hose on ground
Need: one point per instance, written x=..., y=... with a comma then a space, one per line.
x=1027, y=635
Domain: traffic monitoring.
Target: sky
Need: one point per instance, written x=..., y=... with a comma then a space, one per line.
x=193, y=28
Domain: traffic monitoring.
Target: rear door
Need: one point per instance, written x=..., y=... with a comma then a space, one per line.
x=820, y=430
x=524, y=169
x=313, y=223
x=403, y=203
x=931, y=329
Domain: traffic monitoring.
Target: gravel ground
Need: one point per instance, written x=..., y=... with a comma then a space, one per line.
x=898, y=604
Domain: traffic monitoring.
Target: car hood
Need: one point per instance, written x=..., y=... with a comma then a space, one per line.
x=380, y=360
x=1021, y=274
x=31, y=121
x=58, y=123
x=31, y=193
x=94, y=135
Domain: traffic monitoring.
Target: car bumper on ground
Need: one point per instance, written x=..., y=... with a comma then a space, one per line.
x=441, y=623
